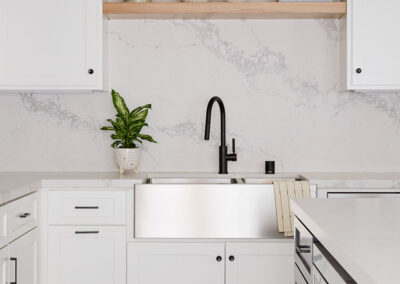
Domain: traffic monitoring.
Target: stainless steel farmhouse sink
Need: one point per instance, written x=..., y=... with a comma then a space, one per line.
x=205, y=208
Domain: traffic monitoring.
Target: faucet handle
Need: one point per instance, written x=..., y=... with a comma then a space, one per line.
x=233, y=156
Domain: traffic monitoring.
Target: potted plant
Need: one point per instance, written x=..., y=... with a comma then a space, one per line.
x=127, y=127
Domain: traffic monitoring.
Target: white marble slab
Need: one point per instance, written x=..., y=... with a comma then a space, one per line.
x=279, y=80
x=362, y=234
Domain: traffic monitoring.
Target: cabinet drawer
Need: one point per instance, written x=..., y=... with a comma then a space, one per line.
x=86, y=255
x=21, y=216
x=87, y=207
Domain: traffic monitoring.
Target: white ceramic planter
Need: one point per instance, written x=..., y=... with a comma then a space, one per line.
x=128, y=159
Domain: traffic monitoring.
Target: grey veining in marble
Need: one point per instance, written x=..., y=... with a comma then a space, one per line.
x=279, y=80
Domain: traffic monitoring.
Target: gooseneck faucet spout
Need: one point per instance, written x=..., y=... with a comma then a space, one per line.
x=224, y=157
x=208, y=119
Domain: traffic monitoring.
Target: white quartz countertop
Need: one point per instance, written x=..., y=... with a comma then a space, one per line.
x=362, y=234
x=354, y=180
x=17, y=184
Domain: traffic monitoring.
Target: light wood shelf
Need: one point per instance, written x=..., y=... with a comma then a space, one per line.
x=279, y=10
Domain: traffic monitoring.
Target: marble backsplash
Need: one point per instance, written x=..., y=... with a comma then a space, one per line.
x=279, y=80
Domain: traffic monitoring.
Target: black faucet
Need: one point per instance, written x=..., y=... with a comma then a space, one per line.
x=224, y=157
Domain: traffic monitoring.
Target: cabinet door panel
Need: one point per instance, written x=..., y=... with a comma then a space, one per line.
x=175, y=263
x=259, y=263
x=375, y=46
x=3, y=265
x=23, y=259
x=50, y=44
x=86, y=255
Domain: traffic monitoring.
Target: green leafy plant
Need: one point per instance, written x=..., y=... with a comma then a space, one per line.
x=128, y=124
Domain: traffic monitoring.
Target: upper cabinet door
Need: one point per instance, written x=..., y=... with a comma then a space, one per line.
x=373, y=55
x=50, y=45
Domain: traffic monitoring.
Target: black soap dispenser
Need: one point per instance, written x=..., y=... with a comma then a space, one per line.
x=269, y=167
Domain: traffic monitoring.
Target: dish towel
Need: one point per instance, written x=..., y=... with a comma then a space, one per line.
x=284, y=191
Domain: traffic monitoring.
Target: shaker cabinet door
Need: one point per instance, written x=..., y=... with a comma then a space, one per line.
x=373, y=55
x=50, y=45
x=176, y=263
x=4, y=260
x=259, y=263
x=86, y=255
x=23, y=259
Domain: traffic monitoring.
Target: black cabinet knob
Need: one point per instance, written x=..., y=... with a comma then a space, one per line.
x=231, y=258
x=358, y=70
x=90, y=71
x=219, y=258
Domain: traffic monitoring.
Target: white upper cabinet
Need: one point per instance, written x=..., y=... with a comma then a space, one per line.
x=50, y=45
x=373, y=46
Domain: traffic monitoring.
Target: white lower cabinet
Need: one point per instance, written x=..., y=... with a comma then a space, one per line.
x=23, y=259
x=86, y=255
x=259, y=263
x=176, y=263
x=211, y=263
x=19, y=260
x=3, y=265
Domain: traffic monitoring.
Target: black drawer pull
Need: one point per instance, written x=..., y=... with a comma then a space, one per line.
x=86, y=232
x=24, y=215
x=303, y=249
x=15, y=269
x=86, y=207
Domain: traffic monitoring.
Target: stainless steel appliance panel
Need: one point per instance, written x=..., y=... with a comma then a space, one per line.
x=298, y=277
x=328, y=267
x=317, y=277
x=303, y=249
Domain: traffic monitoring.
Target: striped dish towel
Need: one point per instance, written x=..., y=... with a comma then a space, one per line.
x=284, y=191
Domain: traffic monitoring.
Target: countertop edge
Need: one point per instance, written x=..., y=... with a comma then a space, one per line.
x=346, y=261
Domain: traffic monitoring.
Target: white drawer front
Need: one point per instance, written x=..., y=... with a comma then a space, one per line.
x=21, y=216
x=87, y=207
x=86, y=255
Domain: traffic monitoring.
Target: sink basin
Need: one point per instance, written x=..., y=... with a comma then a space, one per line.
x=194, y=181
x=185, y=208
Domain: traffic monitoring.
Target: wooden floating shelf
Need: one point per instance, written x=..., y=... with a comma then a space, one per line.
x=278, y=10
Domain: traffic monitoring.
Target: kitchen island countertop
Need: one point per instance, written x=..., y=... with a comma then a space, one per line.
x=363, y=235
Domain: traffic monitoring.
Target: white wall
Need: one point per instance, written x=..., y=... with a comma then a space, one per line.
x=278, y=79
